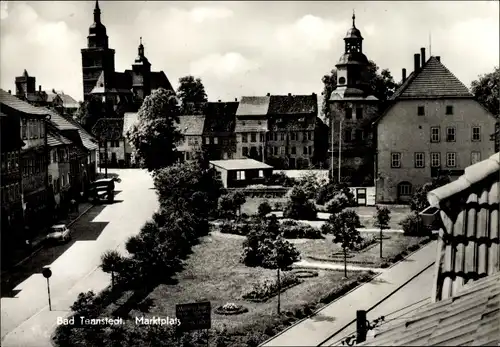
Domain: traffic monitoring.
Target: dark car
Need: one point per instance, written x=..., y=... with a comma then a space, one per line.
x=102, y=189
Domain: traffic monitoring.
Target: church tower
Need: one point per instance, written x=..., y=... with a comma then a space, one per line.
x=141, y=74
x=97, y=57
x=352, y=109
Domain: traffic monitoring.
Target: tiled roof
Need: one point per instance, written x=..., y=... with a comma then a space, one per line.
x=220, y=117
x=291, y=124
x=293, y=104
x=470, y=318
x=59, y=121
x=87, y=139
x=240, y=164
x=129, y=119
x=160, y=80
x=68, y=101
x=253, y=106
x=13, y=102
x=468, y=247
x=55, y=139
x=433, y=80
x=191, y=125
x=110, y=129
x=122, y=82
x=250, y=126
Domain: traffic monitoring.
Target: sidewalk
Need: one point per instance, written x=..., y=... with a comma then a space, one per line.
x=23, y=255
x=339, y=314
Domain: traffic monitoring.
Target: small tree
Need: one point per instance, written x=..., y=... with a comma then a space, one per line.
x=338, y=203
x=343, y=228
x=111, y=262
x=382, y=219
x=419, y=201
x=226, y=205
x=239, y=199
x=299, y=206
x=264, y=209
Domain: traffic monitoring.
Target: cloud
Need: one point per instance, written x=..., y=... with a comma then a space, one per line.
x=201, y=14
x=223, y=66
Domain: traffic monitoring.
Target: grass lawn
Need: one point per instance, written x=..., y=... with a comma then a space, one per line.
x=371, y=257
x=252, y=204
x=214, y=273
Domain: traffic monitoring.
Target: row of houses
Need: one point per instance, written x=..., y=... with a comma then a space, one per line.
x=47, y=160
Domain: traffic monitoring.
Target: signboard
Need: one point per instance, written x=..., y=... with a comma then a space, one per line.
x=194, y=316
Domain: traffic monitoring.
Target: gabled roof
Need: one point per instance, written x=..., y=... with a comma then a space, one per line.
x=251, y=126
x=55, y=139
x=122, y=82
x=433, y=80
x=59, y=121
x=13, y=102
x=468, y=248
x=240, y=164
x=470, y=318
x=191, y=125
x=68, y=101
x=160, y=80
x=253, y=106
x=293, y=104
x=220, y=117
x=87, y=139
x=110, y=129
x=129, y=119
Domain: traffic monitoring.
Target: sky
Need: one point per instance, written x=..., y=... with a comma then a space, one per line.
x=245, y=48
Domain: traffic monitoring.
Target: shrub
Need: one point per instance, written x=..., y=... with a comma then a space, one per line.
x=289, y=223
x=269, y=287
x=384, y=265
x=365, y=242
x=281, y=179
x=337, y=203
x=264, y=209
x=327, y=191
x=299, y=207
x=302, y=231
x=278, y=206
x=413, y=248
x=412, y=225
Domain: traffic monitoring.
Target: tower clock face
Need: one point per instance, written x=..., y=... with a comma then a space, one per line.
x=341, y=80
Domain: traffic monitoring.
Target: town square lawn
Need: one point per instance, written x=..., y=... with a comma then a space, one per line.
x=367, y=213
x=324, y=249
x=214, y=272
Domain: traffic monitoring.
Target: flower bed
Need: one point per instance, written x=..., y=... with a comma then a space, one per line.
x=268, y=288
x=300, y=273
x=293, y=230
x=231, y=309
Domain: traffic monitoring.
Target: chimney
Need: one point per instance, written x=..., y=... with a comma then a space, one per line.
x=422, y=55
x=313, y=94
x=361, y=328
x=218, y=100
x=416, y=62
x=404, y=75
x=10, y=91
x=236, y=99
x=289, y=94
x=268, y=94
x=438, y=58
x=39, y=88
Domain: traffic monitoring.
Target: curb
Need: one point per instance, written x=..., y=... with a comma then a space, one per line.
x=353, y=289
x=39, y=248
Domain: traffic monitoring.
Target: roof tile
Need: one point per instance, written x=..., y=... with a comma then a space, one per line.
x=22, y=106
x=250, y=126
x=293, y=104
x=253, y=106
x=191, y=125
x=220, y=117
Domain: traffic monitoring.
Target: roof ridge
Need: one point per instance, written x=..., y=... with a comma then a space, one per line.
x=473, y=174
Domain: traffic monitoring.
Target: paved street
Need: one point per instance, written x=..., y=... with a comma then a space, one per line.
x=26, y=319
x=341, y=313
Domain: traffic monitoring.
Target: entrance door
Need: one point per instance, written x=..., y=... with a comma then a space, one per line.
x=361, y=196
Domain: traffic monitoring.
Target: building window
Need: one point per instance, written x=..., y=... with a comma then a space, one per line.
x=244, y=151
x=476, y=134
x=475, y=157
x=435, y=159
x=404, y=189
x=275, y=150
x=451, y=159
x=262, y=138
x=359, y=113
x=216, y=140
x=261, y=173
x=449, y=110
x=282, y=150
x=244, y=137
x=54, y=156
x=419, y=160
x=435, y=134
x=195, y=140
x=305, y=151
x=282, y=136
x=310, y=135
x=347, y=135
x=42, y=129
x=342, y=80
x=253, y=137
x=294, y=150
x=359, y=135
x=450, y=134
x=275, y=136
x=207, y=140
x=395, y=160
x=348, y=113
x=24, y=129
x=293, y=136
x=310, y=150
x=421, y=111
x=224, y=142
x=240, y=175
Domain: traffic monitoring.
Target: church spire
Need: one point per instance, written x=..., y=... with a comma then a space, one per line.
x=141, y=48
x=353, y=19
x=97, y=12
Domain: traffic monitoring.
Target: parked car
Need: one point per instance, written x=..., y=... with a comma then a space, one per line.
x=58, y=233
x=102, y=189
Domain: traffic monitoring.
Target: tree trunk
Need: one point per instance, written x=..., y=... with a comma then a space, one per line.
x=380, y=242
x=106, y=159
x=112, y=280
x=279, y=292
x=345, y=263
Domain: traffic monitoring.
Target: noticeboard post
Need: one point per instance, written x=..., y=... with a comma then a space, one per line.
x=194, y=316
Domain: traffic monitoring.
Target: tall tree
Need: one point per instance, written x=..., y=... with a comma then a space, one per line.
x=382, y=85
x=89, y=112
x=192, y=93
x=487, y=91
x=155, y=136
